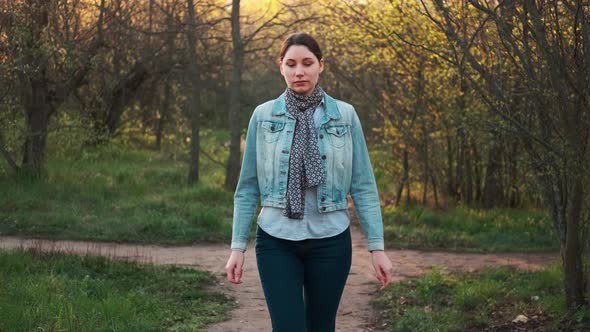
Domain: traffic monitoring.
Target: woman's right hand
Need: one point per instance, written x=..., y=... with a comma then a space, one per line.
x=234, y=267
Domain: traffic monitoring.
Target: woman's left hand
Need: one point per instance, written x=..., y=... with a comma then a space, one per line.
x=383, y=267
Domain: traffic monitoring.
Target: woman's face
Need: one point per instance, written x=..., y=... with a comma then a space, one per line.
x=301, y=69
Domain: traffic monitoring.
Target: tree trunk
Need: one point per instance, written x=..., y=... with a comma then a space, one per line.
x=573, y=267
x=451, y=192
x=426, y=173
x=164, y=110
x=477, y=170
x=491, y=191
x=435, y=191
x=35, y=143
x=404, y=180
x=38, y=113
x=468, y=172
x=514, y=195
x=235, y=125
x=121, y=94
x=193, y=168
x=194, y=100
x=37, y=103
x=460, y=165
x=408, y=187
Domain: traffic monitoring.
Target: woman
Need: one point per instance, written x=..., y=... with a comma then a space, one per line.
x=305, y=151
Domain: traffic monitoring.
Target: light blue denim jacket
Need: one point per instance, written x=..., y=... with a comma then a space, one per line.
x=345, y=158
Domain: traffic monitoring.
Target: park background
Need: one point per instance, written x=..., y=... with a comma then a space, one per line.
x=124, y=121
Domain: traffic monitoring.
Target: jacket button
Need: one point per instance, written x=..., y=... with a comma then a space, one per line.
x=324, y=157
x=323, y=199
x=321, y=136
x=324, y=208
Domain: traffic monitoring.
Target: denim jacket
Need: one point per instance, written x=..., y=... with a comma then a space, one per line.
x=345, y=159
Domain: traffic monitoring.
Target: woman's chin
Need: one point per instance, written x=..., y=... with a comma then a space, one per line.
x=302, y=90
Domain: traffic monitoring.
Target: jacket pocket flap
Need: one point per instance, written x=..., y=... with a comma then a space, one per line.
x=272, y=126
x=337, y=130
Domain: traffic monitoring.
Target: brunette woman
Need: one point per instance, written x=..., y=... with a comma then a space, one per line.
x=305, y=152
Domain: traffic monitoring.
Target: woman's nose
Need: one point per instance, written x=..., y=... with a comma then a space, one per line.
x=298, y=71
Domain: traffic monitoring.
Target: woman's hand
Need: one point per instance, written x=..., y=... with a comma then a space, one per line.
x=234, y=265
x=383, y=267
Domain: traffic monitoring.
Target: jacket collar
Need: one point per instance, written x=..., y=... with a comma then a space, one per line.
x=330, y=110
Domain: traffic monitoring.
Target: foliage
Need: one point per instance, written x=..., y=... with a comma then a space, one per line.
x=468, y=229
x=487, y=300
x=57, y=292
x=384, y=57
x=117, y=193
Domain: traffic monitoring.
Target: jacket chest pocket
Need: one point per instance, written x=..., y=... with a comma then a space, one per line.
x=271, y=130
x=337, y=135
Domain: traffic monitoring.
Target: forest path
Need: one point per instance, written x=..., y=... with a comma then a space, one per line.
x=355, y=313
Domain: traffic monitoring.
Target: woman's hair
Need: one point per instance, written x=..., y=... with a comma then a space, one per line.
x=300, y=38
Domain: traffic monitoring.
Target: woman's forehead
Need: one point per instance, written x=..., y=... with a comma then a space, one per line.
x=297, y=52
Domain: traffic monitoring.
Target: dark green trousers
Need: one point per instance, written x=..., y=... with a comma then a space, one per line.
x=303, y=280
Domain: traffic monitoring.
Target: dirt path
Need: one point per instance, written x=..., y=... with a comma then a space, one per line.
x=354, y=313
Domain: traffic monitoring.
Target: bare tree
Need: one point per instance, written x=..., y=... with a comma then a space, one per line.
x=238, y=50
x=255, y=41
x=45, y=78
x=193, y=106
x=548, y=43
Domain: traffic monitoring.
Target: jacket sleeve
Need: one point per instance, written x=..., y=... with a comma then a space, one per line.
x=247, y=191
x=363, y=189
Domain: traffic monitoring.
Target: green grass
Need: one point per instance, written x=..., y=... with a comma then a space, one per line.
x=468, y=230
x=57, y=292
x=123, y=191
x=119, y=193
x=485, y=301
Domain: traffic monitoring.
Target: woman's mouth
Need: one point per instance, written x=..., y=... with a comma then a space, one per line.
x=300, y=82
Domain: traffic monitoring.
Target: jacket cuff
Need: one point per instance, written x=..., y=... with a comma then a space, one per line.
x=239, y=245
x=376, y=245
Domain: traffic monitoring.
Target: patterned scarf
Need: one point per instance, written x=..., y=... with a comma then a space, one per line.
x=305, y=165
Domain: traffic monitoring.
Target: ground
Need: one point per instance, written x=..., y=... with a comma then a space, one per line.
x=355, y=313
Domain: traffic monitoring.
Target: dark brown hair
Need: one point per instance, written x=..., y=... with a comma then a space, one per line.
x=300, y=38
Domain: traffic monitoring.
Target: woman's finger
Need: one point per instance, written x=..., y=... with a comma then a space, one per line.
x=380, y=276
x=238, y=275
x=387, y=276
x=384, y=283
x=230, y=274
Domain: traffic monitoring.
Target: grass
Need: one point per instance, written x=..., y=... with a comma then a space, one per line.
x=57, y=292
x=468, y=230
x=485, y=301
x=119, y=193
x=123, y=191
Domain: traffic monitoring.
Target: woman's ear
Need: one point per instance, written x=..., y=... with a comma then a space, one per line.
x=281, y=67
x=321, y=65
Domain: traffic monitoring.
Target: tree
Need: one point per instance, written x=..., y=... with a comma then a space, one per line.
x=50, y=59
x=255, y=41
x=547, y=44
x=194, y=94
x=399, y=82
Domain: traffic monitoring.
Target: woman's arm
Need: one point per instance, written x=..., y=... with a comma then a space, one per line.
x=366, y=202
x=245, y=201
x=363, y=189
x=247, y=191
